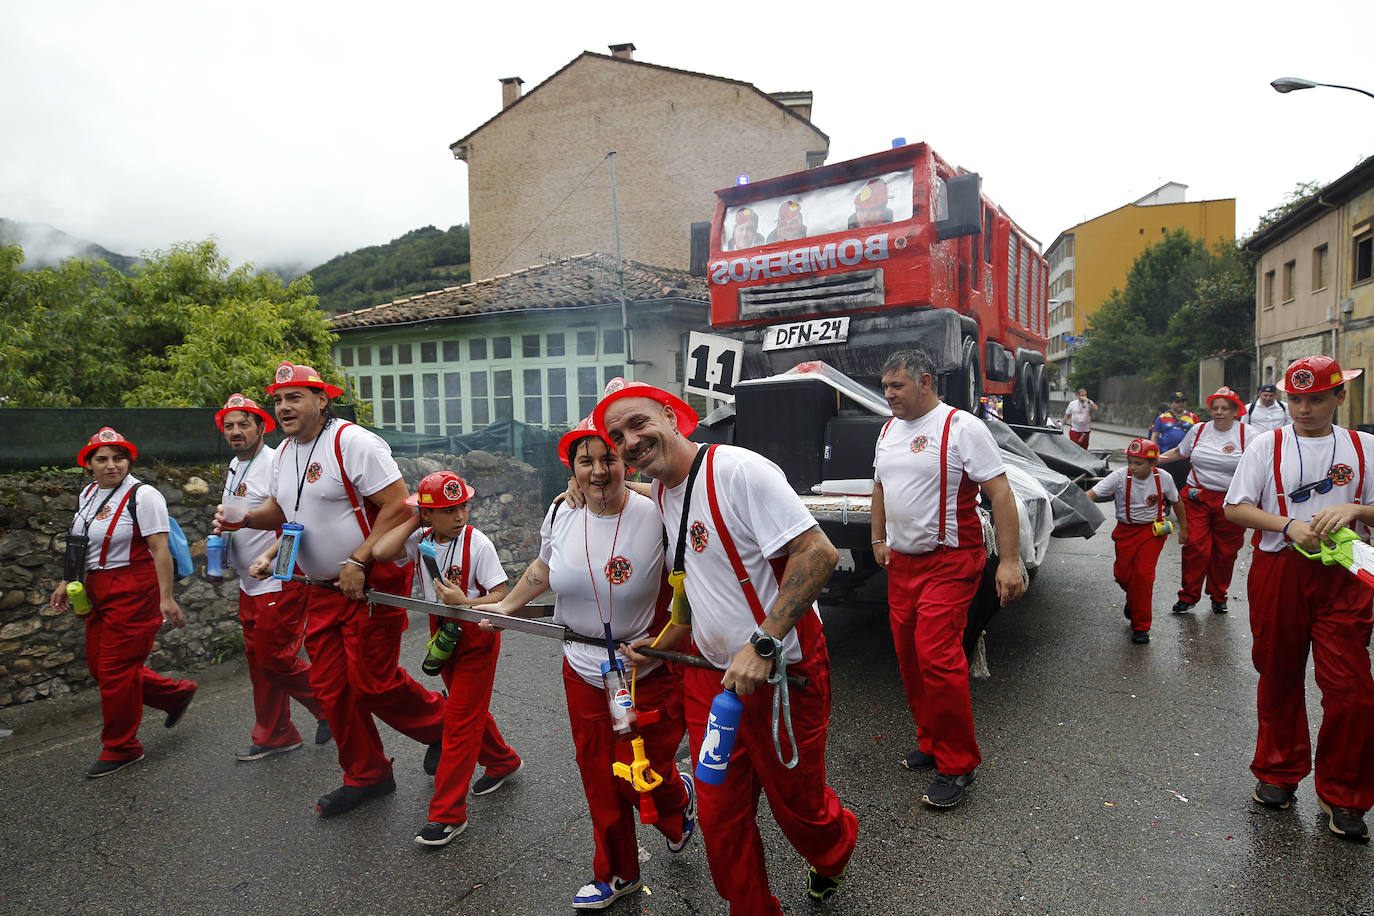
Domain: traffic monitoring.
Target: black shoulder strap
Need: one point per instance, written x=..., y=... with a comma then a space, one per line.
x=133, y=506
x=680, y=558
x=556, y=504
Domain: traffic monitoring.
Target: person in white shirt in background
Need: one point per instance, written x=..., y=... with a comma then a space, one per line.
x=1267, y=411
x=1079, y=416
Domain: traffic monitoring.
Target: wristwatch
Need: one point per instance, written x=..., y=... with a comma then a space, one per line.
x=765, y=644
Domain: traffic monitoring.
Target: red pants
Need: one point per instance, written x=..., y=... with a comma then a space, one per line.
x=119, y=638
x=470, y=733
x=929, y=597
x=1210, y=553
x=1296, y=602
x=1079, y=439
x=807, y=810
x=1137, y=552
x=355, y=674
x=273, y=630
x=611, y=800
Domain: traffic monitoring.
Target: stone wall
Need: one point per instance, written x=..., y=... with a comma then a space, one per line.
x=42, y=652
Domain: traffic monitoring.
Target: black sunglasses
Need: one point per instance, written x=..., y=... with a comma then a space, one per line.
x=1303, y=493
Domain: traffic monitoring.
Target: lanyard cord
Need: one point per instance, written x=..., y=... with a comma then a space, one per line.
x=91, y=518
x=610, y=586
x=1298, y=444
x=232, y=480
x=300, y=486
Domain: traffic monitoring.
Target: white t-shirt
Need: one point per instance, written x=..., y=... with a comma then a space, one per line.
x=1260, y=418
x=95, y=514
x=906, y=462
x=762, y=515
x=251, y=479
x=310, y=470
x=1214, y=454
x=1080, y=416
x=1144, y=494
x=1302, y=462
x=624, y=573
x=484, y=567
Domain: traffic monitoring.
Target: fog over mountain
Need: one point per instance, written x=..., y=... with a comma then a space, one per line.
x=43, y=246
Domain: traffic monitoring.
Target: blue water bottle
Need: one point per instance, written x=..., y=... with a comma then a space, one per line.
x=719, y=741
x=214, y=558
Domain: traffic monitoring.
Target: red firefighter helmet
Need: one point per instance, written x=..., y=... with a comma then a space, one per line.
x=1315, y=373
x=1142, y=448
x=581, y=431
x=105, y=436
x=1228, y=394
x=746, y=217
x=618, y=388
x=238, y=402
x=289, y=375
x=440, y=490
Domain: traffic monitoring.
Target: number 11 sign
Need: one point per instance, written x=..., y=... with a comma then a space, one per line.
x=713, y=365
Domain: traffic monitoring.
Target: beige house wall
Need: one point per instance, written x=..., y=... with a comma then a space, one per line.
x=1356, y=302
x=539, y=183
x=1309, y=311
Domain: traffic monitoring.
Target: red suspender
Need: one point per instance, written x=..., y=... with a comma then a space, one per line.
x=1197, y=439
x=737, y=564
x=358, y=511
x=885, y=426
x=467, y=554
x=1278, y=470
x=1359, y=455
x=944, y=484
x=109, y=532
x=1159, y=496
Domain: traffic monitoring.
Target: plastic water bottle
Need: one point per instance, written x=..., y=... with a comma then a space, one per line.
x=440, y=647
x=214, y=558
x=76, y=596
x=719, y=740
x=618, y=699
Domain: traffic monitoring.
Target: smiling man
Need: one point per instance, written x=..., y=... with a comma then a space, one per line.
x=340, y=482
x=930, y=463
x=271, y=613
x=755, y=561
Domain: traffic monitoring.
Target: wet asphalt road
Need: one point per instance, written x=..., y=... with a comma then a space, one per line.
x=1114, y=780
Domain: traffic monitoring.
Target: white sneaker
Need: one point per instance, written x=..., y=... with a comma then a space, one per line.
x=598, y=895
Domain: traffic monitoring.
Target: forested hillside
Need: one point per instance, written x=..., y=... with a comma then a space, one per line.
x=419, y=261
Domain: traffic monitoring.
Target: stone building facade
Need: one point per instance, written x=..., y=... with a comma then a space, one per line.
x=539, y=181
x=42, y=651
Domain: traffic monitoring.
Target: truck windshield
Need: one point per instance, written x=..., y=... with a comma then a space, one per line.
x=885, y=198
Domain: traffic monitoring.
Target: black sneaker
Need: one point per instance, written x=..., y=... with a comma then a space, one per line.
x=1180, y=607
x=436, y=834
x=947, y=791
x=1219, y=607
x=820, y=888
x=257, y=751
x=918, y=759
x=433, y=754
x=106, y=767
x=1140, y=636
x=1126, y=611
x=346, y=798
x=1272, y=796
x=323, y=733
x=487, y=783
x=175, y=715
x=1346, y=823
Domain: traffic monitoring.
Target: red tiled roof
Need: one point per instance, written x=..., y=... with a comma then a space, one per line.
x=575, y=282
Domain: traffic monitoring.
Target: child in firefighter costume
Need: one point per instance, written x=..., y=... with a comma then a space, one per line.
x=117, y=553
x=1143, y=497
x=605, y=562
x=1297, y=486
x=468, y=569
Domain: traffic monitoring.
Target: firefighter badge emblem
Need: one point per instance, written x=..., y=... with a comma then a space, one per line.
x=454, y=575
x=284, y=373
x=1341, y=474
x=919, y=444
x=618, y=570
x=700, y=537
x=1228, y=449
x=1302, y=379
x=241, y=490
x=313, y=472
x=104, y=513
x=453, y=490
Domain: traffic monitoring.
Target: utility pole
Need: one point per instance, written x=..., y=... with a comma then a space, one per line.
x=620, y=271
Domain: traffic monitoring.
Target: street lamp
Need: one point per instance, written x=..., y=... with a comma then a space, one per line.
x=1290, y=83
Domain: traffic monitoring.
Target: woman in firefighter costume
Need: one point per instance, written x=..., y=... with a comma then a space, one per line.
x=119, y=574
x=1214, y=449
x=605, y=562
x=1299, y=486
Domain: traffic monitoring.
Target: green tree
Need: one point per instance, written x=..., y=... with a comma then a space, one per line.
x=185, y=329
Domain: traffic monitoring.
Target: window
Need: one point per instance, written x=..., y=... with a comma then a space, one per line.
x=1290, y=270
x=500, y=348
x=610, y=372
x=388, y=400
x=481, y=408
x=365, y=387
x=477, y=348
x=430, y=387
x=1068, y=246
x=408, y=403
x=384, y=355
x=534, y=401
x=502, y=401
x=429, y=352
x=1269, y=289
x=345, y=356
x=558, y=395
x=529, y=345
x=1319, y=266
x=586, y=390
x=613, y=340
x=453, y=351
x=1362, y=262
x=453, y=401
x=586, y=343
x=554, y=342
x=364, y=356
x=403, y=354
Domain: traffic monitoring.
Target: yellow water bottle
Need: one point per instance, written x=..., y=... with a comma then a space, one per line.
x=76, y=594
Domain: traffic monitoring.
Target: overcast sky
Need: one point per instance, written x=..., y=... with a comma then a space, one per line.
x=295, y=131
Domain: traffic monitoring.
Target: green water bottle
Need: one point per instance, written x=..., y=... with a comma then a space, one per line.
x=76, y=595
x=440, y=647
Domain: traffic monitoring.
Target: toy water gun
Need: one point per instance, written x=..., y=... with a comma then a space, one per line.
x=642, y=777
x=1343, y=547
